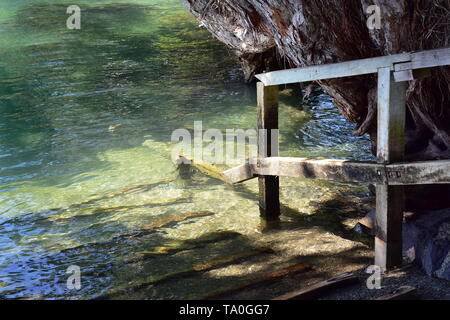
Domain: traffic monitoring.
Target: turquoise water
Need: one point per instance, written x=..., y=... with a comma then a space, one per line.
x=85, y=128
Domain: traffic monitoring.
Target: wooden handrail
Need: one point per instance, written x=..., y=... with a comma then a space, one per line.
x=397, y=62
x=389, y=173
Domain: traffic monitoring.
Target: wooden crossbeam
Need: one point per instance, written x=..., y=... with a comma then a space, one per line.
x=397, y=62
x=240, y=174
x=415, y=173
x=412, y=173
x=340, y=170
x=327, y=169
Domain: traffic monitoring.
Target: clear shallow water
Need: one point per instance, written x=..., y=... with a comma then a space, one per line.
x=74, y=192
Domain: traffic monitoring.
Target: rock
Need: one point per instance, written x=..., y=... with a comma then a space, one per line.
x=426, y=239
x=115, y=127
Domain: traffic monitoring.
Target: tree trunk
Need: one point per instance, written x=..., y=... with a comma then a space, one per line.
x=276, y=34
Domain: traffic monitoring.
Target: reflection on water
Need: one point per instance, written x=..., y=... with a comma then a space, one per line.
x=86, y=120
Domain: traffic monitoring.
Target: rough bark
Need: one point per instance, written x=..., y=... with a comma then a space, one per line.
x=270, y=34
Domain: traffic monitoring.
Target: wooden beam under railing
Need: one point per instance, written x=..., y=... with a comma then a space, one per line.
x=410, y=173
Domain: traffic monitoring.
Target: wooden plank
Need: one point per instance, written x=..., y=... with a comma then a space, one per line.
x=426, y=59
x=402, y=293
x=406, y=75
x=398, y=62
x=240, y=174
x=390, y=148
x=335, y=70
x=408, y=173
x=341, y=170
x=269, y=186
x=414, y=173
x=328, y=169
x=321, y=288
x=410, y=75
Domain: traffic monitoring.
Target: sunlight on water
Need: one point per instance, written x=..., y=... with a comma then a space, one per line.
x=86, y=120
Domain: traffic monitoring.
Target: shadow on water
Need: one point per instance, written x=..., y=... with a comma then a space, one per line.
x=329, y=213
x=125, y=264
x=147, y=264
x=152, y=266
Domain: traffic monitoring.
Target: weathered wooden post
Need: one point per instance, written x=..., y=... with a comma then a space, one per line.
x=388, y=174
x=269, y=186
x=390, y=149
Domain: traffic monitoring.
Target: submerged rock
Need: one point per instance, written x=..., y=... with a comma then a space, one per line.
x=115, y=127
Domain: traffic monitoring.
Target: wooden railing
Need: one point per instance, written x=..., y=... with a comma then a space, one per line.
x=389, y=174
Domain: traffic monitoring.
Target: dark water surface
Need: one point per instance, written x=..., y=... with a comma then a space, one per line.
x=86, y=120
